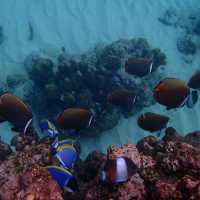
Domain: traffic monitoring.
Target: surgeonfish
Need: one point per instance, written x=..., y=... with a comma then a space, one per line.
x=67, y=155
x=152, y=122
x=48, y=128
x=16, y=112
x=121, y=97
x=64, y=178
x=194, y=81
x=174, y=93
x=138, y=66
x=118, y=170
x=75, y=118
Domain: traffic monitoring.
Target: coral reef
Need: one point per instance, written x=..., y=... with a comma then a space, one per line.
x=188, y=24
x=23, y=174
x=186, y=46
x=15, y=80
x=86, y=80
x=5, y=150
x=167, y=169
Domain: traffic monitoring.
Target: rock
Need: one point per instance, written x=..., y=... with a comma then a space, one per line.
x=89, y=169
x=86, y=80
x=5, y=150
x=38, y=184
x=15, y=80
x=186, y=46
x=23, y=175
x=170, y=18
x=197, y=28
x=165, y=191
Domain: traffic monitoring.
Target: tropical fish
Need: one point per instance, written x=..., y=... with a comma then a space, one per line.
x=64, y=178
x=152, y=122
x=75, y=118
x=174, y=93
x=66, y=154
x=194, y=81
x=15, y=111
x=138, y=66
x=192, y=98
x=118, y=170
x=121, y=97
x=48, y=128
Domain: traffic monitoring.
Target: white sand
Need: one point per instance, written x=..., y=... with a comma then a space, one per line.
x=80, y=24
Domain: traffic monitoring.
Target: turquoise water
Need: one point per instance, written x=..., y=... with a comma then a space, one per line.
x=44, y=27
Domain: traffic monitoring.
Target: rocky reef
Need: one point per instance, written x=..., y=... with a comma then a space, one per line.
x=86, y=80
x=188, y=24
x=167, y=169
x=23, y=174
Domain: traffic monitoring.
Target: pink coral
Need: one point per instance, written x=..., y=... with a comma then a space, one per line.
x=38, y=185
x=166, y=191
x=23, y=176
x=128, y=150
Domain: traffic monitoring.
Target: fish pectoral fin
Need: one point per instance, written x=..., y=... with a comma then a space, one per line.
x=158, y=133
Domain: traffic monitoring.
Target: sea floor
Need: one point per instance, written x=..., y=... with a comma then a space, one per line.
x=46, y=26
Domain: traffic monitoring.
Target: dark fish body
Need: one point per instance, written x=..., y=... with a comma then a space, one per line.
x=138, y=66
x=121, y=97
x=118, y=170
x=75, y=118
x=171, y=92
x=194, y=81
x=13, y=110
x=2, y=119
x=152, y=122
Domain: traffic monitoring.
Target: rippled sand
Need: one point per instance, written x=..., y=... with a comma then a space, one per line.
x=78, y=25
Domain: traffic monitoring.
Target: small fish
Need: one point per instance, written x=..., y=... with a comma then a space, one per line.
x=192, y=98
x=75, y=118
x=118, y=170
x=67, y=155
x=153, y=122
x=172, y=93
x=15, y=111
x=122, y=97
x=64, y=178
x=194, y=81
x=139, y=66
x=48, y=128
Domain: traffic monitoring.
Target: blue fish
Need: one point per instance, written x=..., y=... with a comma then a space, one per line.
x=64, y=178
x=67, y=155
x=48, y=128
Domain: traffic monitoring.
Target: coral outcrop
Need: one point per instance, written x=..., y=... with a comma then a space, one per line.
x=86, y=80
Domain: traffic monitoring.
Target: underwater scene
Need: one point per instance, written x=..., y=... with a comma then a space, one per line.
x=99, y=100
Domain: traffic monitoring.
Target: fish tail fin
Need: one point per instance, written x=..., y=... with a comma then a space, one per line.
x=192, y=98
x=27, y=126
